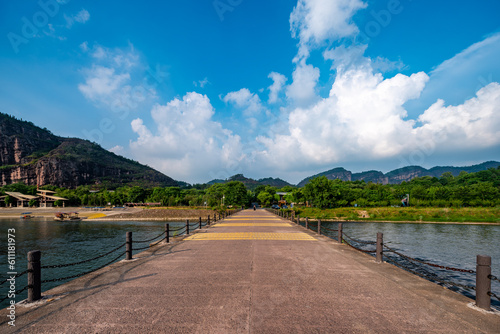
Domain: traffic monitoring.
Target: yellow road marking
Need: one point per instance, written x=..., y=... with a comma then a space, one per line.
x=255, y=218
x=250, y=236
x=253, y=224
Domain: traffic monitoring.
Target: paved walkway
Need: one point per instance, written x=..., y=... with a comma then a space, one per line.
x=252, y=273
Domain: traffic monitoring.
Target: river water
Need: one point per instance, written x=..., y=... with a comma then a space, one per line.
x=69, y=242
x=451, y=245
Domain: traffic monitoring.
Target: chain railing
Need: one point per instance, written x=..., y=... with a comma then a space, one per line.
x=35, y=275
x=484, y=279
x=16, y=276
x=359, y=241
x=81, y=262
x=359, y=249
x=18, y=292
x=391, y=250
x=429, y=277
x=329, y=229
x=84, y=273
x=494, y=278
x=491, y=294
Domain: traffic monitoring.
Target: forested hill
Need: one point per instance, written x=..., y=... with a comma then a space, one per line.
x=35, y=156
x=399, y=175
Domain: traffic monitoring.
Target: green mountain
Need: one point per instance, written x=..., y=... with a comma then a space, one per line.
x=251, y=184
x=332, y=174
x=399, y=175
x=35, y=156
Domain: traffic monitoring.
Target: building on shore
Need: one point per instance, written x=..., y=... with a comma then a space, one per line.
x=47, y=198
x=21, y=200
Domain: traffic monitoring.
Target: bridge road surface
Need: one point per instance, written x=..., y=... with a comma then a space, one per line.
x=252, y=273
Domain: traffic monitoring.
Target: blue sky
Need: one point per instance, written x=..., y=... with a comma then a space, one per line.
x=208, y=89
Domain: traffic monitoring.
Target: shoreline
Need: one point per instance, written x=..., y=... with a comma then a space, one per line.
x=110, y=215
x=330, y=220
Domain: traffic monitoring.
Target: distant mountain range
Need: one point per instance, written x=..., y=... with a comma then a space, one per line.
x=35, y=156
x=398, y=175
x=252, y=184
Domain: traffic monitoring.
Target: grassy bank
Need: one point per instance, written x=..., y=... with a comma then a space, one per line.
x=490, y=215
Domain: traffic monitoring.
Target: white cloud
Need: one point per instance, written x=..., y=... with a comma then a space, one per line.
x=344, y=57
x=116, y=79
x=187, y=144
x=278, y=83
x=315, y=21
x=302, y=91
x=362, y=117
x=201, y=83
x=460, y=77
x=81, y=17
x=102, y=82
x=84, y=46
x=473, y=124
x=118, y=149
x=250, y=103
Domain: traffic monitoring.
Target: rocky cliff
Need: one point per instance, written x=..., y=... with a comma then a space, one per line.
x=35, y=156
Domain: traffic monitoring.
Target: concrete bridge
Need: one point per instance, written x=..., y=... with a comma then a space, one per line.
x=251, y=273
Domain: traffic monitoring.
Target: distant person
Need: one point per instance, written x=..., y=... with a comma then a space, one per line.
x=254, y=208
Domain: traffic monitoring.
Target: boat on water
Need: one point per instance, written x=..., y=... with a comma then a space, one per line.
x=26, y=215
x=65, y=216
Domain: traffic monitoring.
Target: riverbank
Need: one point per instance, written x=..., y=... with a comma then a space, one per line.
x=123, y=214
x=406, y=215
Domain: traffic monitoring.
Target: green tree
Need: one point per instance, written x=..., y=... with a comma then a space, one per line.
x=236, y=193
x=319, y=192
x=265, y=198
x=8, y=200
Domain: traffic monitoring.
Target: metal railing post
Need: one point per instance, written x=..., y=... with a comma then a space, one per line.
x=34, y=276
x=200, y=223
x=128, y=246
x=340, y=233
x=319, y=226
x=298, y=219
x=187, y=226
x=215, y=218
x=167, y=233
x=380, y=247
x=483, y=282
x=307, y=223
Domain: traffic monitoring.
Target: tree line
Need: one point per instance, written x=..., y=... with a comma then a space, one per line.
x=467, y=189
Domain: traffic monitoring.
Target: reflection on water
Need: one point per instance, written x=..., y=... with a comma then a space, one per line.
x=67, y=242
